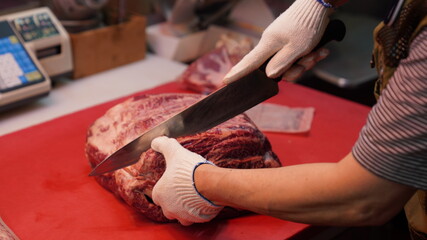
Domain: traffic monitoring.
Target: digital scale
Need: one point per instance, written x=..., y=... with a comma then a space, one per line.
x=34, y=47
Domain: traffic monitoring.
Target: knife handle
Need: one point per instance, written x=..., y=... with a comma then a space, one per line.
x=334, y=31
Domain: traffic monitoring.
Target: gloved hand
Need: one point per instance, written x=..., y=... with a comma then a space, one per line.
x=292, y=35
x=304, y=64
x=176, y=192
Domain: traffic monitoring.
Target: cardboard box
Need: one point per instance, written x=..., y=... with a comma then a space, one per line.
x=108, y=47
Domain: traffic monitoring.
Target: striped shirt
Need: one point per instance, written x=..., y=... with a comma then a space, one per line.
x=393, y=143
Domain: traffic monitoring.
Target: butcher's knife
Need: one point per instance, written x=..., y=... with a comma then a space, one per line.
x=216, y=108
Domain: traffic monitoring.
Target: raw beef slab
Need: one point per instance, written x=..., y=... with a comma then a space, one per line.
x=205, y=75
x=6, y=233
x=236, y=143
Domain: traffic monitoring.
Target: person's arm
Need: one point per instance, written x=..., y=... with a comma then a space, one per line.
x=341, y=193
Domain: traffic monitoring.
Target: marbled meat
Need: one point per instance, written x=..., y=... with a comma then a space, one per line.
x=236, y=143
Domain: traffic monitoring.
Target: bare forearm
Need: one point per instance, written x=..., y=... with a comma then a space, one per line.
x=290, y=193
x=324, y=193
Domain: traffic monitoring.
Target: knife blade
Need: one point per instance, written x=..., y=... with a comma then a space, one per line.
x=216, y=108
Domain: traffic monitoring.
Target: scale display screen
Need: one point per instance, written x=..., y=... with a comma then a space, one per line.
x=35, y=27
x=17, y=69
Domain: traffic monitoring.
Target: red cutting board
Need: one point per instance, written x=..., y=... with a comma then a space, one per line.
x=45, y=191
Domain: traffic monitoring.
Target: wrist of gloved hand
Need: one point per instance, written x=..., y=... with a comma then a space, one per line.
x=176, y=192
x=308, y=13
x=194, y=183
x=193, y=201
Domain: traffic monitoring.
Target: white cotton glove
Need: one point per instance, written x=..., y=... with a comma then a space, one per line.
x=292, y=35
x=175, y=192
x=305, y=64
